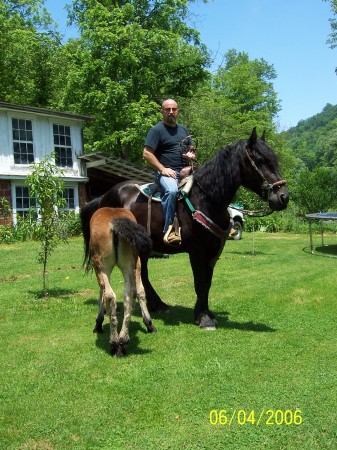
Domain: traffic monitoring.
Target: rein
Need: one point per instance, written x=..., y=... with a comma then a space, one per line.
x=205, y=221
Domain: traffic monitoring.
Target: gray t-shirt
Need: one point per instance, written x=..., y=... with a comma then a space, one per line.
x=168, y=144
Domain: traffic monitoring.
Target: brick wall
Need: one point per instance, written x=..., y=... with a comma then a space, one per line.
x=5, y=191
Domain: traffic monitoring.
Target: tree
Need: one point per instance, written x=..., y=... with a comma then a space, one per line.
x=333, y=23
x=231, y=103
x=131, y=55
x=316, y=190
x=28, y=44
x=47, y=189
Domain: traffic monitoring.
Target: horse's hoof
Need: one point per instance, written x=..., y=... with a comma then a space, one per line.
x=114, y=348
x=152, y=329
x=206, y=322
x=98, y=329
x=121, y=351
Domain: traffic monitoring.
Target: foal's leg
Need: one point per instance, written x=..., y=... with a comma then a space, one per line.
x=108, y=304
x=109, y=300
x=112, y=312
x=100, y=316
x=142, y=301
x=129, y=295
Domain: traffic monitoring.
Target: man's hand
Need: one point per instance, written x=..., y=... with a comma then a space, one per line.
x=167, y=172
x=190, y=155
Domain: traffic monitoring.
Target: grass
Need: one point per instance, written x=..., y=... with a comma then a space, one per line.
x=274, y=349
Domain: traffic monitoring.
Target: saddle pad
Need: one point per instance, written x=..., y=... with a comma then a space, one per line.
x=152, y=189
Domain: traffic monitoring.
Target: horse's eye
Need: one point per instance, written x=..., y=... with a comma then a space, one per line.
x=258, y=158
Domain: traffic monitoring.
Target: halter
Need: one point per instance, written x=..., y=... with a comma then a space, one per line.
x=267, y=188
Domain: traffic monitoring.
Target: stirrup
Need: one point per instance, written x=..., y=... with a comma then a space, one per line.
x=172, y=237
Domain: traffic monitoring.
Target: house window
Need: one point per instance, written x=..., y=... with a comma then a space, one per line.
x=69, y=196
x=23, y=201
x=22, y=141
x=62, y=146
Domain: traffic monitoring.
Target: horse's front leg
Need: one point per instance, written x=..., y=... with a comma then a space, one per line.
x=154, y=302
x=100, y=316
x=203, y=273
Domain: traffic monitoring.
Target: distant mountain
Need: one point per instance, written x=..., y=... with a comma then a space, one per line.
x=314, y=140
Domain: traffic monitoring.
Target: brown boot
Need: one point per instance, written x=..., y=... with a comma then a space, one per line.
x=232, y=233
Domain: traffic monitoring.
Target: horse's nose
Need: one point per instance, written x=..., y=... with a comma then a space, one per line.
x=284, y=198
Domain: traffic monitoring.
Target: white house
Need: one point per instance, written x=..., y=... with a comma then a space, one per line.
x=28, y=135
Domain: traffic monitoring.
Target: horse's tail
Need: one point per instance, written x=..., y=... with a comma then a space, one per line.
x=134, y=234
x=86, y=213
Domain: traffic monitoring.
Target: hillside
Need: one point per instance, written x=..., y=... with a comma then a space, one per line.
x=314, y=140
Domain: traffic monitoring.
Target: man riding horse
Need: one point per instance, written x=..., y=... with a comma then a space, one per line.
x=164, y=152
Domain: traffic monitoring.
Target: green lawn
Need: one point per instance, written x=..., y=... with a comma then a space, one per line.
x=272, y=359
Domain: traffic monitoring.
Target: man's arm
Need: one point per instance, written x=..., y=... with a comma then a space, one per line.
x=149, y=156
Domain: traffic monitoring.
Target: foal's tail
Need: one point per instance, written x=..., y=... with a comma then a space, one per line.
x=86, y=213
x=134, y=234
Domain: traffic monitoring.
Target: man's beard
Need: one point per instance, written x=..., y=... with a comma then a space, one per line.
x=172, y=120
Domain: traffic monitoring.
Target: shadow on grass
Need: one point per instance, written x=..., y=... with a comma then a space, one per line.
x=224, y=322
x=91, y=301
x=176, y=316
x=53, y=293
x=184, y=315
x=329, y=251
x=246, y=253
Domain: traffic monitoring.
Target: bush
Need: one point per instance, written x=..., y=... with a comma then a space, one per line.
x=6, y=234
x=71, y=224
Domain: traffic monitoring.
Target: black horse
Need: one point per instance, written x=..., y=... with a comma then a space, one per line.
x=204, y=219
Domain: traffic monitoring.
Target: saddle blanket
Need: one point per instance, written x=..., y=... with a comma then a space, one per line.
x=154, y=191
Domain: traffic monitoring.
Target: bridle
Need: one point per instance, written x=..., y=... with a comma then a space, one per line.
x=267, y=188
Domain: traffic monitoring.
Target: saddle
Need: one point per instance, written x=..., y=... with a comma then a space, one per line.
x=154, y=192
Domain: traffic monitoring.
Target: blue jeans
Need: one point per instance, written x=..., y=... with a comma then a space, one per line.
x=169, y=199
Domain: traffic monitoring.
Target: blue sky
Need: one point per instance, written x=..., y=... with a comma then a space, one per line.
x=289, y=34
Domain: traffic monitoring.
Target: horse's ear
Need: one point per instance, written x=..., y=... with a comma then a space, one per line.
x=263, y=137
x=253, y=138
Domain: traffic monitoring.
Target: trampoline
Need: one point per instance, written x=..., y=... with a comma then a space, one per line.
x=322, y=217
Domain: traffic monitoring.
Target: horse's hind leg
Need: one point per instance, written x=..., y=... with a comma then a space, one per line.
x=111, y=308
x=129, y=297
x=107, y=305
x=142, y=301
x=100, y=316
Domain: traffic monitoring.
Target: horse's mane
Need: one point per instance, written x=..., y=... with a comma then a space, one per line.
x=221, y=171
x=221, y=175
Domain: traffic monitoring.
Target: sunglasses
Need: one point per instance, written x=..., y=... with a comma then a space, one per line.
x=169, y=109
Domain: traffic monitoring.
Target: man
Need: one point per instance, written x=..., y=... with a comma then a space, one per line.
x=163, y=151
